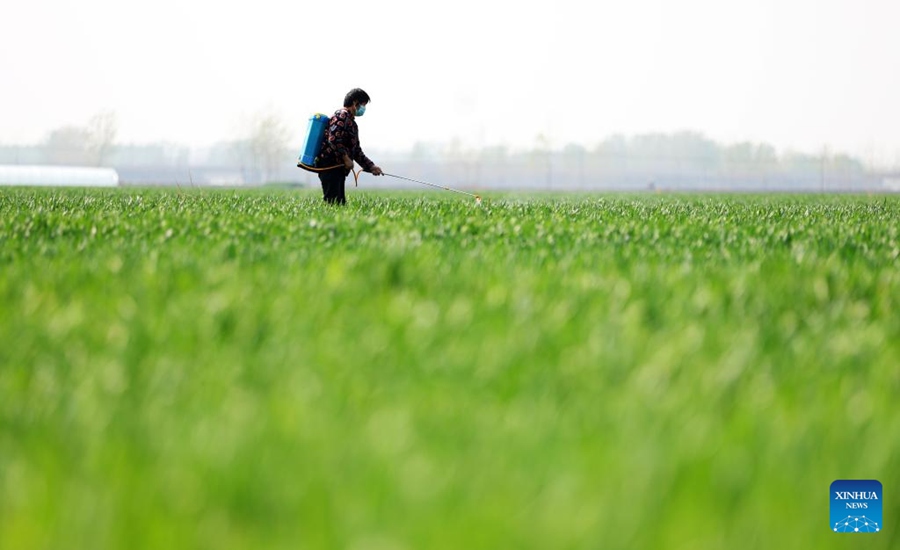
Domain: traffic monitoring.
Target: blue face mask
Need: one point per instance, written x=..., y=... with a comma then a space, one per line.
x=361, y=110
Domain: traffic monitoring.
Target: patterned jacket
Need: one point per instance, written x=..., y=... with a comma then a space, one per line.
x=342, y=137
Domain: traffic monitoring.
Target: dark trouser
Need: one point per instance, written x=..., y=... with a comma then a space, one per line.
x=333, y=185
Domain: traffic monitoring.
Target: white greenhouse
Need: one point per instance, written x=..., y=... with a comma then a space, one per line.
x=62, y=176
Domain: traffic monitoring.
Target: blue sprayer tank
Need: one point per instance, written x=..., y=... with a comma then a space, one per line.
x=315, y=135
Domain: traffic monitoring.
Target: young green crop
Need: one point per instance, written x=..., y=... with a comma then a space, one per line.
x=249, y=369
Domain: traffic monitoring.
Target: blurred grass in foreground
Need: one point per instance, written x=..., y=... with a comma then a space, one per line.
x=255, y=369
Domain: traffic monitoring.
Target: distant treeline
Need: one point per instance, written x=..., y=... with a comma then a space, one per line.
x=648, y=161
x=684, y=160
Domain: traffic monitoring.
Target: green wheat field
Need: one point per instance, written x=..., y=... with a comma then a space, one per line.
x=255, y=369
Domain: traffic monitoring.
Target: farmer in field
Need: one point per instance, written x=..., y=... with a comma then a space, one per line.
x=341, y=147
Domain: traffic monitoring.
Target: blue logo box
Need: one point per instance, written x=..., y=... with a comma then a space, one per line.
x=856, y=506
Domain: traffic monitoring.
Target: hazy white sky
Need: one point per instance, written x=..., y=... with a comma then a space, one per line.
x=797, y=73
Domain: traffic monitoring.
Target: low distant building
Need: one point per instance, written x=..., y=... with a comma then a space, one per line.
x=58, y=176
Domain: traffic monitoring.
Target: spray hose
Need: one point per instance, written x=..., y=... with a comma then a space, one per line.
x=356, y=174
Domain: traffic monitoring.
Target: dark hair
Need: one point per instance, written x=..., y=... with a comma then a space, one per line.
x=356, y=94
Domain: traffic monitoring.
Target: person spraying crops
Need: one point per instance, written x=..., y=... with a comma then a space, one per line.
x=332, y=144
x=341, y=147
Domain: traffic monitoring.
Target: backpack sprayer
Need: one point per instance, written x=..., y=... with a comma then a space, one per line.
x=312, y=146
